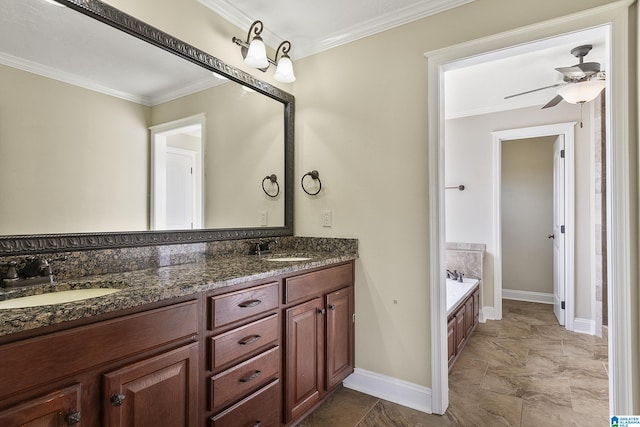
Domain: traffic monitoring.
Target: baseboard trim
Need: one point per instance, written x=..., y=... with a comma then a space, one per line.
x=584, y=326
x=487, y=313
x=540, y=297
x=392, y=389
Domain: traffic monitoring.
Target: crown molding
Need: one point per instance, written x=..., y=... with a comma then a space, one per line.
x=398, y=17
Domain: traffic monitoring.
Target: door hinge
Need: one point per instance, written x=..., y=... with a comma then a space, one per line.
x=354, y=318
x=562, y=305
x=562, y=154
x=562, y=229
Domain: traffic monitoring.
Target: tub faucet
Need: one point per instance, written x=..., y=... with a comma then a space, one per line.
x=455, y=275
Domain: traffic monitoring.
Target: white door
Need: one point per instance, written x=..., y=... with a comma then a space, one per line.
x=180, y=189
x=558, y=229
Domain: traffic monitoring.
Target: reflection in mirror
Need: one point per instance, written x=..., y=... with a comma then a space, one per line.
x=75, y=120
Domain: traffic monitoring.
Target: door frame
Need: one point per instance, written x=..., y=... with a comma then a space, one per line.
x=158, y=134
x=567, y=130
x=621, y=191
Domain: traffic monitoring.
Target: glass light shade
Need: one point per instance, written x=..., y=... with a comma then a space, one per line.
x=582, y=92
x=257, y=54
x=284, y=70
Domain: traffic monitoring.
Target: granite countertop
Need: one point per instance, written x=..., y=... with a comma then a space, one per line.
x=153, y=285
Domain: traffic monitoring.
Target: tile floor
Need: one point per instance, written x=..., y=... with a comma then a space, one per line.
x=524, y=370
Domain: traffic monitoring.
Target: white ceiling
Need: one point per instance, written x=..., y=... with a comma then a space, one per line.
x=60, y=43
x=313, y=26
x=31, y=38
x=478, y=87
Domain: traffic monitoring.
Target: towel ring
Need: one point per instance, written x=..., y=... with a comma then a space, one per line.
x=315, y=175
x=274, y=180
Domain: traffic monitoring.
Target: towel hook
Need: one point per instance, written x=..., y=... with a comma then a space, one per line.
x=274, y=180
x=315, y=175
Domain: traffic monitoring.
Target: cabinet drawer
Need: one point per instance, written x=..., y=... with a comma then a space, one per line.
x=244, y=378
x=229, y=308
x=242, y=341
x=261, y=408
x=318, y=282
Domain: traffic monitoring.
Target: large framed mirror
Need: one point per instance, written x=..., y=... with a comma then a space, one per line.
x=114, y=133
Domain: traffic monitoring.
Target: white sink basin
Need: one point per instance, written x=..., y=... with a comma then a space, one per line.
x=56, y=297
x=288, y=259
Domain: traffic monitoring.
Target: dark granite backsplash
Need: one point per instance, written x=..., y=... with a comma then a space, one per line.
x=105, y=261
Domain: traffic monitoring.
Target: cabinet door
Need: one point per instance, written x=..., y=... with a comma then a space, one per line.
x=468, y=316
x=460, y=329
x=305, y=361
x=57, y=409
x=451, y=340
x=159, y=391
x=476, y=307
x=340, y=329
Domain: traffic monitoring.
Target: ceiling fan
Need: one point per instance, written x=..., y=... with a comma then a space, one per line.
x=579, y=73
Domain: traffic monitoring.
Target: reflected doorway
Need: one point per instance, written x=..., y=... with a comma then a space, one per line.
x=177, y=174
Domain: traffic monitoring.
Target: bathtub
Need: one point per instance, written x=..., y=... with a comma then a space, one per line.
x=457, y=292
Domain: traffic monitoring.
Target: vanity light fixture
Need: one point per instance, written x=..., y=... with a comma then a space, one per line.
x=254, y=53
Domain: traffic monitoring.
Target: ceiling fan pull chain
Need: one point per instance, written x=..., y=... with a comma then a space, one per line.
x=581, y=105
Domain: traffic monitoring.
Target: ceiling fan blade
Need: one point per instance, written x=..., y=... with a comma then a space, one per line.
x=534, y=90
x=555, y=101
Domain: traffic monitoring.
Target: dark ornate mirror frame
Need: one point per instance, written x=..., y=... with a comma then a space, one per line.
x=26, y=244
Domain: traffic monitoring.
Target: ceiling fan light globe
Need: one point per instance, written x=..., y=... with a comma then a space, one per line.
x=284, y=71
x=257, y=54
x=582, y=92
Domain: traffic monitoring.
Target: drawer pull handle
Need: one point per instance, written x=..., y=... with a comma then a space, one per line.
x=250, y=303
x=117, y=399
x=249, y=340
x=251, y=377
x=332, y=307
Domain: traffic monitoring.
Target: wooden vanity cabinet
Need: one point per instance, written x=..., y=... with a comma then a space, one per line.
x=244, y=357
x=319, y=336
x=125, y=371
x=460, y=325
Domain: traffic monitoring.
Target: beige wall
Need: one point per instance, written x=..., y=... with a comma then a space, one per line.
x=361, y=122
x=527, y=214
x=64, y=166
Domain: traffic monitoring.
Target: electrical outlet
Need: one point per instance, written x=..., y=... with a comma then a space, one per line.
x=326, y=218
x=264, y=218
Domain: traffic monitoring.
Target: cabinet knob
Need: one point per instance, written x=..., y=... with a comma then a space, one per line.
x=322, y=311
x=332, y=307
x=117, y=399
x=73, y=418
x=257, y=424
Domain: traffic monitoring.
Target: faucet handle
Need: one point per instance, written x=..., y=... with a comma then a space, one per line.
x=12, y=271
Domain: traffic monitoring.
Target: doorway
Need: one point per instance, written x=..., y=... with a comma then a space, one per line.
x=177, y=174
x=563, y=135
x=615, y=19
